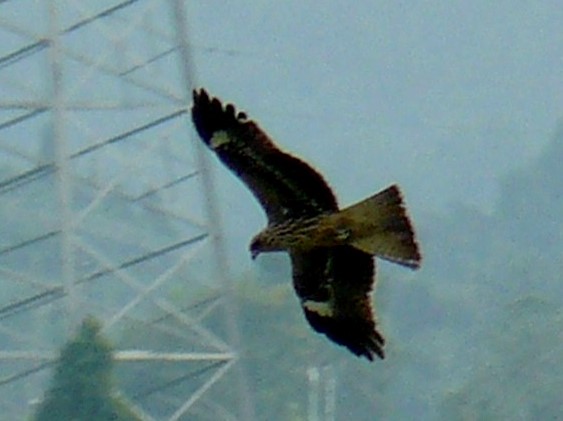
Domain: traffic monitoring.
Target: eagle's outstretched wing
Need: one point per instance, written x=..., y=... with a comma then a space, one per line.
x=335, y=286
x=333, y=282
x=285, y=186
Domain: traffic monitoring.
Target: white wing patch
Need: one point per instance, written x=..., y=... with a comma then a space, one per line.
x=322, y=308
x=219, y=138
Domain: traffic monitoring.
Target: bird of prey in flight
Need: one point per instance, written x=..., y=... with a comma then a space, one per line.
x=331, y=250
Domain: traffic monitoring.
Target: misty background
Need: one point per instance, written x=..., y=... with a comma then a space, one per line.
x=459, y=103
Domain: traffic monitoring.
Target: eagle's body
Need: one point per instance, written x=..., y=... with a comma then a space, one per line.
x=331, y=251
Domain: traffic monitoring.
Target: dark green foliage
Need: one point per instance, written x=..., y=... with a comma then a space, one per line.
x=81, y=388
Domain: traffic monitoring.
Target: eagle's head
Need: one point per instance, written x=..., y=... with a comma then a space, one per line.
x=263, y=242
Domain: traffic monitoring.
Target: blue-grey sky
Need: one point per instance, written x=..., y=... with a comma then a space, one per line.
x=443, y=97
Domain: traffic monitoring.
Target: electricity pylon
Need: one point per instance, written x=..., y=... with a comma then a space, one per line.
x=108, y=207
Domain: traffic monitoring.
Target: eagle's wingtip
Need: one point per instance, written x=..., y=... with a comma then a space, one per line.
x=198, y=93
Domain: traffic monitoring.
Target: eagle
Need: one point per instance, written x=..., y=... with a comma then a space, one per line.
x=331, y=250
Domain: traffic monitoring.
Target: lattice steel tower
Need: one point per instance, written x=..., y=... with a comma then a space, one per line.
x=107, y=207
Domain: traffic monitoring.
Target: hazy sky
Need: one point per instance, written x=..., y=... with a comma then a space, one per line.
x=442, y=96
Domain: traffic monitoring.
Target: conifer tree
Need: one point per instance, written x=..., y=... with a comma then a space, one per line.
x=81, y=388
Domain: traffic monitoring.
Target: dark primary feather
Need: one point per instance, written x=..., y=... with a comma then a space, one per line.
x=285, y=186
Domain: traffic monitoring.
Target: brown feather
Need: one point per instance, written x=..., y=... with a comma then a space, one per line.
x=378, y=226
x=285, y=186
x=347, y=282
x=331, y=251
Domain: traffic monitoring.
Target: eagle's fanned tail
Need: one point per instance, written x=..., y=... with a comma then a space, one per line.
x=380, y=226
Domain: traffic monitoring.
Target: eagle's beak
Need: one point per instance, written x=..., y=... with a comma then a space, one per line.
x=254, y=254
